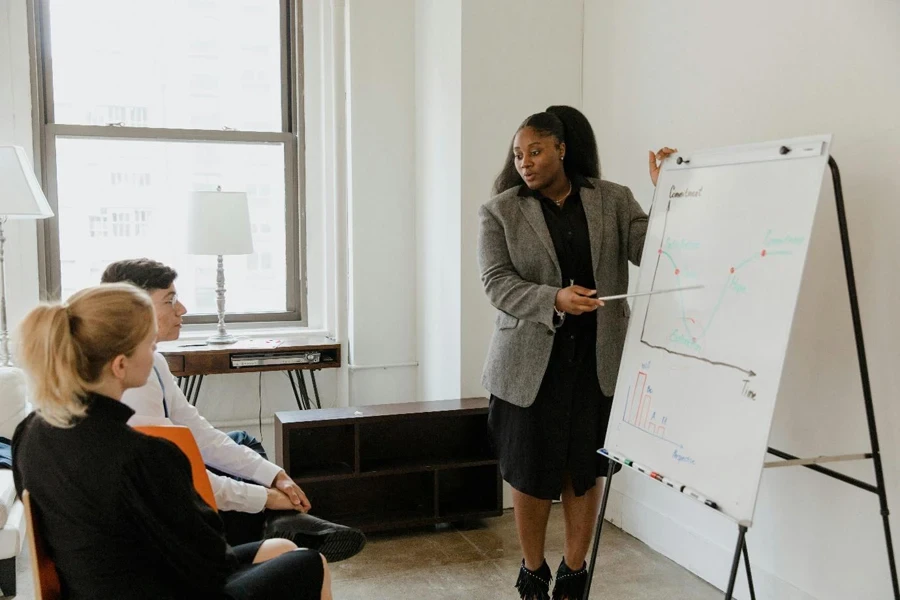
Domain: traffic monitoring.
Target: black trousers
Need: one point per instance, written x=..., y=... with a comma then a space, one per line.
x=298, y=574
x=241, y=527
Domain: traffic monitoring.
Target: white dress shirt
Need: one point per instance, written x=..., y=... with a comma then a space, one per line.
x=161, y=402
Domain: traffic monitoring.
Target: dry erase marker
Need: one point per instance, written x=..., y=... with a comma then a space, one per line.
x=618, y=457
x=611, y=455
x=673, y=484
x=696, y=496
x=641, y=468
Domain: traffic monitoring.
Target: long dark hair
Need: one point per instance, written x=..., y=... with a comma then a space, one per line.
x=567, y=125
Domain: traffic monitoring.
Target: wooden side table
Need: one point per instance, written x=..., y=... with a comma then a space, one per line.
x=295, y=355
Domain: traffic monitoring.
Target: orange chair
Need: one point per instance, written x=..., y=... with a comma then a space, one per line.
x=184, y=439
x=46, y=579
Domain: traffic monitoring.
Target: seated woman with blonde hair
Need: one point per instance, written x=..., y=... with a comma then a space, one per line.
x=120, y=514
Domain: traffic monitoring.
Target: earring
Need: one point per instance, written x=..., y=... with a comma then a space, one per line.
x=561, y=157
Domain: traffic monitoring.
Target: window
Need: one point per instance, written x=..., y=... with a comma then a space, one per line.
x=142, y=222
x=260, y=261
x=139, y=113
x=97, y=224
x=121, y=224
x=130, y=179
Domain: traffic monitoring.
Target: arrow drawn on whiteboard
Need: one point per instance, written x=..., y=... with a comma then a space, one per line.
x=748, y=372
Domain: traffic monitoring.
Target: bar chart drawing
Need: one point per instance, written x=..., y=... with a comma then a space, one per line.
x=640, y=412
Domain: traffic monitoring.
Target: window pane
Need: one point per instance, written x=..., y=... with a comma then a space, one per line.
x=192, y=64
x=125, y=199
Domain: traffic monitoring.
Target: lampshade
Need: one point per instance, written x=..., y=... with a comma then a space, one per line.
x=219, y=223
x=20, y=193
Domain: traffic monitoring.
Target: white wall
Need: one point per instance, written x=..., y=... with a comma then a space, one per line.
x=438, y=183
x=476, y=71
x=381, y=178
x=702, y=73
x=518, y=58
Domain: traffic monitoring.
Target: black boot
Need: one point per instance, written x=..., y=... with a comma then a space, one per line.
x=334, y=542
x=534, y=585
x=569, y=584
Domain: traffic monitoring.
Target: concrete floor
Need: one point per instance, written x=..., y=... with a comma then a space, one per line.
x=481, y=563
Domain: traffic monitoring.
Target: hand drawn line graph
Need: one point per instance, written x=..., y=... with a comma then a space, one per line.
x=702, y=324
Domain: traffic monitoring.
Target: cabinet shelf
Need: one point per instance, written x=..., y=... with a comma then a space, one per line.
x=391, y=466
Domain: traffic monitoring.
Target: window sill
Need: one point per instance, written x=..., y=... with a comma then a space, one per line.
x=199, y=332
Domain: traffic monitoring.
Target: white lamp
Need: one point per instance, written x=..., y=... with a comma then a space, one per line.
x=20, y=198
x=219, y=225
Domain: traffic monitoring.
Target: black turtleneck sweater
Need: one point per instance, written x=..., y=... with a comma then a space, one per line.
x=118, y=509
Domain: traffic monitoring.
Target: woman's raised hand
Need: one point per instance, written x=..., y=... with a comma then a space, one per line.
x=656, y=160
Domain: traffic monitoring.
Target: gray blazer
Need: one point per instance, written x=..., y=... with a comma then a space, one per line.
x=521, y=276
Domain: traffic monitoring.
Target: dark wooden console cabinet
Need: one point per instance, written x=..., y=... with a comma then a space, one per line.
x=396, y=465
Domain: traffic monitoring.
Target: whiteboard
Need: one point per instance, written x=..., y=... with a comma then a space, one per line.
x=700, y=371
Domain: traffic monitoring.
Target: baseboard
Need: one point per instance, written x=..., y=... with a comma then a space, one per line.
x=701, y=556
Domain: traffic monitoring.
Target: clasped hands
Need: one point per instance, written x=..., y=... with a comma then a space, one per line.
x=285, y=494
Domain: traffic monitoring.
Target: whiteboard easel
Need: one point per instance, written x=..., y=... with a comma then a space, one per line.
x=765, y=152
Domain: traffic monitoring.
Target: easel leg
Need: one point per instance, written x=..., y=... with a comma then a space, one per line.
x=889, y=542
x=736, y=562
x=590, y=578
x=749, y=574
x=864, y=370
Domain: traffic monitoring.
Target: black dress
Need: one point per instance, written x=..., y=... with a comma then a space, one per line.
x=561, y=432
x=121, y=517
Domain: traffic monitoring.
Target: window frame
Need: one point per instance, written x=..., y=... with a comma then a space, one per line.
x=291, y=136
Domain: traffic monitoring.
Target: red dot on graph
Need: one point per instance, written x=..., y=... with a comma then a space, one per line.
x=763, y=253
x=695, y=339
x=732, y=269
x=659, y=251
x=677, y=271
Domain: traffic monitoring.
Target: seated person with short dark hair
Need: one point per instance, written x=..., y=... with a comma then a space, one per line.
x=257, y=499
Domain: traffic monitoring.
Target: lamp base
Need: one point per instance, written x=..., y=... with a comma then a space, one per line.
x=221, y=336
x=221, y=339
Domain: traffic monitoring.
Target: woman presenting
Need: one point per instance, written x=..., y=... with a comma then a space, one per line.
x=553, y=239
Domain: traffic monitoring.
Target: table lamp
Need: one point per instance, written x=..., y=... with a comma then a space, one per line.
x=219, y=225
x=20, y=198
